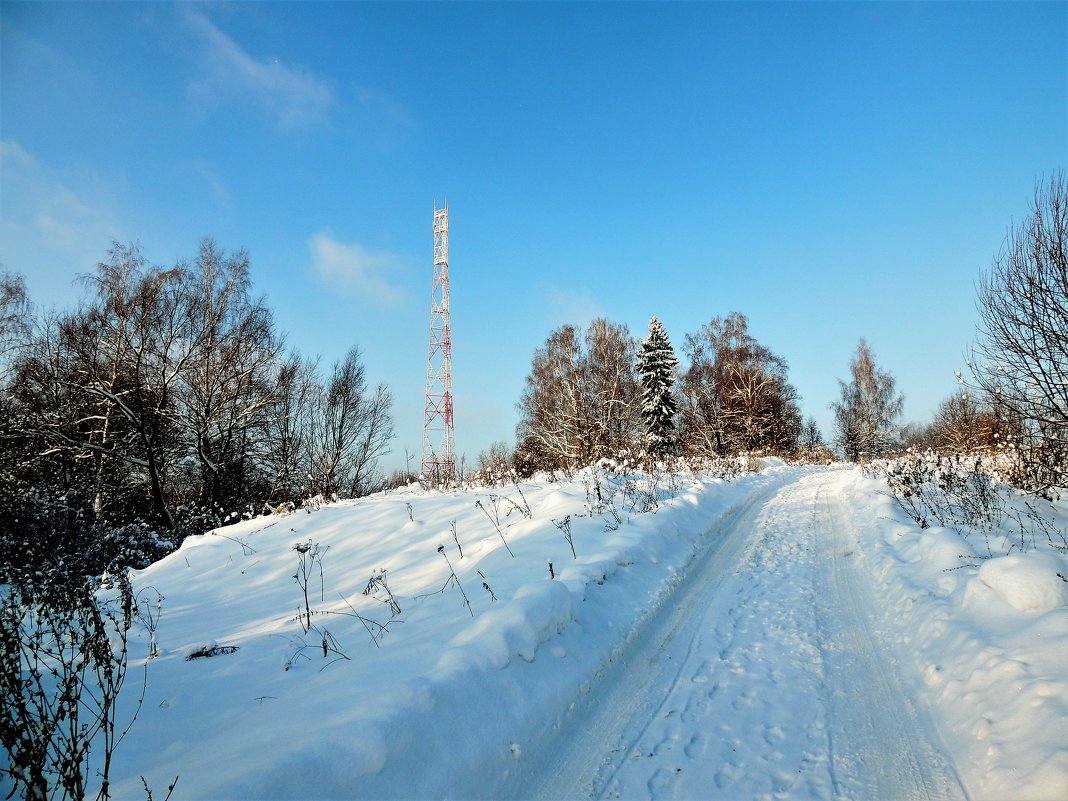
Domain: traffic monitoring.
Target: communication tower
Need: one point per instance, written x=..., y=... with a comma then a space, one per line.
x=439, y=456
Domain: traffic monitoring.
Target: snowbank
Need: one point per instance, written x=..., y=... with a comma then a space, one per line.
x=465, y=684
x=989, y=642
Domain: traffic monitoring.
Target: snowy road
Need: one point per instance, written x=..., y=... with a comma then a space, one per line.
x=760, y=677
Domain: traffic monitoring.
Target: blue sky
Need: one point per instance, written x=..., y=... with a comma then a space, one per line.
x=832, y=171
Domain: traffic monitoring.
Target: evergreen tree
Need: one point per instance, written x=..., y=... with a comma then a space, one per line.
x=656, y=368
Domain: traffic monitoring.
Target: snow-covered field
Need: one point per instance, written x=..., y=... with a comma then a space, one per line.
x=785, y=634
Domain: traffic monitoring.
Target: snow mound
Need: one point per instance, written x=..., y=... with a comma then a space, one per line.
x=933, y=552
x=990, y=640
x=1030, y=582
x=538, y=611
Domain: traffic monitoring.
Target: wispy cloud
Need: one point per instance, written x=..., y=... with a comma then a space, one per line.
x=211, y=182
x=53, y=223
x=575, y=307
x=293, y=96
x=353, y=269
x=383, y=120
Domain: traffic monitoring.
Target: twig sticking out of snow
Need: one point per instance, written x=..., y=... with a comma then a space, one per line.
x=565, y=526
x=486, y=586
x=441, y=550
x=496, y=523
x=457, y=539
x=378, y=582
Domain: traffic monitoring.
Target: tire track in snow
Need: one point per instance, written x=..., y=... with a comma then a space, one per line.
x=758, y=678
x=626, y=693
x=888, y=746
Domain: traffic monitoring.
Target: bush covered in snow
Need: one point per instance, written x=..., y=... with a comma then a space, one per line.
x=970, y=495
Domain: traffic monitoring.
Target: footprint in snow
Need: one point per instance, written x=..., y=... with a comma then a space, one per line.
x=773, y=735
x=663, y=782
x=694, y=748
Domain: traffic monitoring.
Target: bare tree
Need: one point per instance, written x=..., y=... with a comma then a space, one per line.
x=1021, y=361
x=612, y=391
x=811, y=444
x=494, y=462
x=14, y=315
x=580, y=403
x=553, y=425
x=963, y=423
x=45, y=492
x=700, y=407
x=227, y=382
x=285, y=454
x=811, y=436
x=736, y=395
x=376, y=432
x=350, y=428
x=100, y=383
x=868, y=409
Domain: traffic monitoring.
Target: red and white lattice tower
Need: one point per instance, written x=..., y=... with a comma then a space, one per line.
x=439, y=455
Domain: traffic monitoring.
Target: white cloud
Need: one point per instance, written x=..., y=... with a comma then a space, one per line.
x=353, y=269
x=211, y=181
x=292, y=95
x=571, y=307
x=384, y=108
x=54, y=223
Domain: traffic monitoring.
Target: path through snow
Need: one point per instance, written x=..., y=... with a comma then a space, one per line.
x=759, y=678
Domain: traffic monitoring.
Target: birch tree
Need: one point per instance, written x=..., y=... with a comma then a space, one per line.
x=227, y=383
x=581, y=400
x=350, y=428
x=868, y=409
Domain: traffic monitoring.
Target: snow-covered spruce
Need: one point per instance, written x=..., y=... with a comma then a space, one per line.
x=656, y=367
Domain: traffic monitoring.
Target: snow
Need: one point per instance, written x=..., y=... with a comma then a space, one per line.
x=786, y=634
x=448, y=700
x=1030, y=582
x=989, y=645
x=770, y=688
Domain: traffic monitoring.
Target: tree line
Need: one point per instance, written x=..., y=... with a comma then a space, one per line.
x=598, y=394
x=166, y=404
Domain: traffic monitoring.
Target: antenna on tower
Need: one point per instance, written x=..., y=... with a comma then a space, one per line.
x=439, y=456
